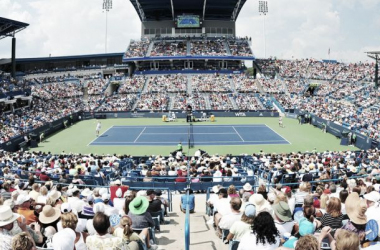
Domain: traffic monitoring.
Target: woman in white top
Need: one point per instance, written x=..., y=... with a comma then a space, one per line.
x=264, y=234
x=70, y=220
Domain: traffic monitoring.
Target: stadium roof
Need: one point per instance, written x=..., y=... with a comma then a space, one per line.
x=158, y=10
x=9, y=27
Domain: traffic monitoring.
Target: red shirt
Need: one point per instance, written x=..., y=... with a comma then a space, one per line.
x=113, y=190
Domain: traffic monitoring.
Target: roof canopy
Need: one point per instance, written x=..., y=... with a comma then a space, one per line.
x=9, y=27
x=157, y=10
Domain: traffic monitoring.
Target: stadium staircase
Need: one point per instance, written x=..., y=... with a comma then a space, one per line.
x=207, y=99
x=231, y=96
x=188, y=44
x=189, y=87
x=227, y=48
x=150, y=48
x=260, y=87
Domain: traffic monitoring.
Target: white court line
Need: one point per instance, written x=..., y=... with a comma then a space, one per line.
x=177, y=142
x=198, y=126
x=278, y=134
x=140, y=135
x=191, y=133
x=99, y=136
x=238, y=133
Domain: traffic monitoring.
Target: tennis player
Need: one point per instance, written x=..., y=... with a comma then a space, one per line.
x=98, y=127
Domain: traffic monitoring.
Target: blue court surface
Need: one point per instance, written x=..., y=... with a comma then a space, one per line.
x=200, y=135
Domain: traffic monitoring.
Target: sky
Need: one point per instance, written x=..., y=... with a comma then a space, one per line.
x=294, y=29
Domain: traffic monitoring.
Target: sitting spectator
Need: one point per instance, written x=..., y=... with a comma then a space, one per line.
x=24, y=202
x=70, y=220
x=188, y=200
x=239, y=228
x=234, y=215
x=333, y=216
x=283, y=218
x=154, y=204
x=264, y=234
x=102, y=240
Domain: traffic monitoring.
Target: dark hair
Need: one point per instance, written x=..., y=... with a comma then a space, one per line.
x=265, y=229
x=101, y=223
x=343, y=195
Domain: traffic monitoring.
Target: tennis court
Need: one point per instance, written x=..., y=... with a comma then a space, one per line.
x=257, y=134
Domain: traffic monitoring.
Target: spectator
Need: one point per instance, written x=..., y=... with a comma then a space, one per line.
x=188, y=200
x=102, y=240
x=239, y=228
x=264, y=234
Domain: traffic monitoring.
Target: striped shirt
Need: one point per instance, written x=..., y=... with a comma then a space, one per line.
x=333, y=222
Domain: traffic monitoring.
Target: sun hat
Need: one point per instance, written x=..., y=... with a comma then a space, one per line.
x=271, y=197
x=260, y=203
x=86, y=192
x=372, y=196
x=55, y=195
x=287, y=190
x=117, y=182
x=90, y=198
x=250, y=210
x=306, y=227
x=282, y=211
x=10, y=203
x=139, y=205
x=64, y=239
x=49, y=214
x=356, y=208
x=7, y=216
x=247, y=187
x=22, y=198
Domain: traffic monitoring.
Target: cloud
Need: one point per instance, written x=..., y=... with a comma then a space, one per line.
x=294, y=28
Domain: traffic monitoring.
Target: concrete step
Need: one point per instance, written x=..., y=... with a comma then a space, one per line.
x=202, y=235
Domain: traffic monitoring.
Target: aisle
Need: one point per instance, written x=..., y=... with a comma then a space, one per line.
x=202, y=235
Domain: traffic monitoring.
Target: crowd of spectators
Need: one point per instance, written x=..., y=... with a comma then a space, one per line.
x=118, y=102
x=336, y=195
x=167, y=83
x=211, y=83
x=248, y=102
x=220, y=101
x=169, y=48
x=273, y=86
x=239, y=48
x=133, y=84
x=96, y=86
x=208, y=48
x=137, y=48
x=153, y=101
x=244, y=83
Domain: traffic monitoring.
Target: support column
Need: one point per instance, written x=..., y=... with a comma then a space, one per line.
x=14, y=57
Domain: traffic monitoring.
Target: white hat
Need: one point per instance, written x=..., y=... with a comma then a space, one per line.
x=117, y=182
x=247, y=187
x=54, y=194
x=260, y=203
x=102, y=191
x=99, y=207
x=372, y=196
x=119, y=193
x=64, y=239
x=141, y=193
x=22, y=198
x=7, y=216
x=86, y=192
x=216, y=188
x=105, y=197
x=66, y=207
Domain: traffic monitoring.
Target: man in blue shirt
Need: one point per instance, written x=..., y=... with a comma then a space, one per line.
x=188, y=200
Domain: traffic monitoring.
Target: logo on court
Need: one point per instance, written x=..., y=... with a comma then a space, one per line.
x=240, y=114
